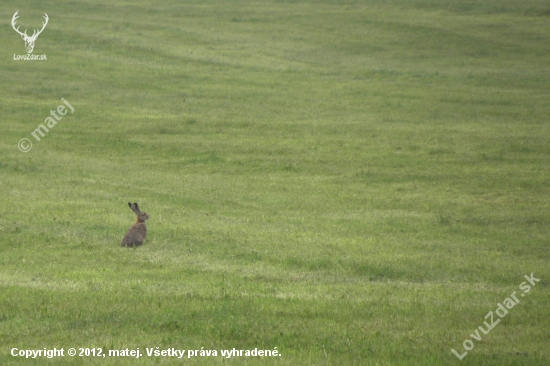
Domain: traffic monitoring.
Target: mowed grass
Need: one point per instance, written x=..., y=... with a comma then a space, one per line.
x=353, y=183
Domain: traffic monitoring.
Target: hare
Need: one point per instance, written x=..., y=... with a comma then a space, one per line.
x=137, y=233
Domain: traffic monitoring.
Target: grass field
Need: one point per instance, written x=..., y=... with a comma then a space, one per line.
x=349, y=182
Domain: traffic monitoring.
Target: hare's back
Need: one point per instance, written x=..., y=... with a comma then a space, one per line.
x=135, y=236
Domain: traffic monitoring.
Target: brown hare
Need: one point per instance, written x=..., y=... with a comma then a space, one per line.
x=137, y=233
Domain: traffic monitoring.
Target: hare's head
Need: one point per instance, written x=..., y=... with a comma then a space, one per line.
x=142, y=216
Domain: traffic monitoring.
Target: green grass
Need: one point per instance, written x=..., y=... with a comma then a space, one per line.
x=352, y=182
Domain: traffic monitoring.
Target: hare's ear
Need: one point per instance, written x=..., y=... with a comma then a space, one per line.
x=136, y=207
x=132, y=207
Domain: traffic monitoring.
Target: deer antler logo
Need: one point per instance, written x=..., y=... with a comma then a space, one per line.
x=29, y=41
